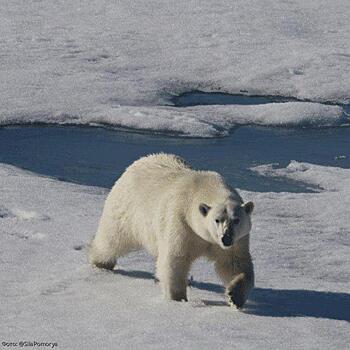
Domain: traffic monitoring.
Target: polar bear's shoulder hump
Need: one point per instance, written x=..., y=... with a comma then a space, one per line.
x=160, y=161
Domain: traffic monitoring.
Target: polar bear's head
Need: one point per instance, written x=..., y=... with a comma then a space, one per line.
x=225, y=223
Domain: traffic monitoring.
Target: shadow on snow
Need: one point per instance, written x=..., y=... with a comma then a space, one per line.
x=277, y=302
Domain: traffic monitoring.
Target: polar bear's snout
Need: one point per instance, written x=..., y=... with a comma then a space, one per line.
x=232, y=222
x=228, y=236
x=227, y=239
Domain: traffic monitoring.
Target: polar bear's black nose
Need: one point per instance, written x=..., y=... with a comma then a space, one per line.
x=227, y=240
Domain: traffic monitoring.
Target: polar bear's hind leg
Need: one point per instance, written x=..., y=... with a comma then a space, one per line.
x=102, y=254
x=107, y=247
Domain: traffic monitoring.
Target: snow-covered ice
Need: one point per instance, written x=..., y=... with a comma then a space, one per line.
x=120, y=63
x=300, y=245
x=203, y=121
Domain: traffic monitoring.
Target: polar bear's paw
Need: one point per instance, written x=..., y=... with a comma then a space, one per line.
x=109, y=265
x=237, y=291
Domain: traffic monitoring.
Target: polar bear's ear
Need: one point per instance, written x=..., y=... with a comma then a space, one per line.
x=248, y=207
x=203, y=208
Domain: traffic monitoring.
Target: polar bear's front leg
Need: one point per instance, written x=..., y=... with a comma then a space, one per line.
x=172, y=272
x=238, y=289
x=238, y=276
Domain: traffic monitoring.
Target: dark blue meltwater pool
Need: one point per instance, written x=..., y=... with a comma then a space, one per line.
x=200, y=98
x=195, y=98
x=97, y=156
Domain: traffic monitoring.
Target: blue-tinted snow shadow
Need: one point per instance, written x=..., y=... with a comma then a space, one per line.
x=290, y=302
x=299, y=303
x=277, y=302
x=144, y=275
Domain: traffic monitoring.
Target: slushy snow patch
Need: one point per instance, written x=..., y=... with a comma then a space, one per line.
x=300, y=244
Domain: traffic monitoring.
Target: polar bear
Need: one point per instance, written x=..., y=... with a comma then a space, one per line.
x=177, y=214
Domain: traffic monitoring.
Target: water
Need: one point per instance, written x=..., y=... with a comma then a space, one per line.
x=96, y=156
x=195, y=98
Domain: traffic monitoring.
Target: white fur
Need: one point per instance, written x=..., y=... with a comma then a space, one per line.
x=155, y=205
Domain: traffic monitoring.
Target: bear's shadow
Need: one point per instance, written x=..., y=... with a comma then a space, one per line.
x=278, y=302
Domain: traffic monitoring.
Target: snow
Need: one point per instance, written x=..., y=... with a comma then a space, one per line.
x=330, y=179
x=300, y=245
x=119, y=63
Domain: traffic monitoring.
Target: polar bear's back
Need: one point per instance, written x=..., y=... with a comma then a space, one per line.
x=153, y=170
x=149, y=180
x=158, y=176
x=159, y=162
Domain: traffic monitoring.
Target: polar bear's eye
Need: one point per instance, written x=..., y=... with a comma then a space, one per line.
x=236, y=221
x=203, y=208
x=217, y=221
